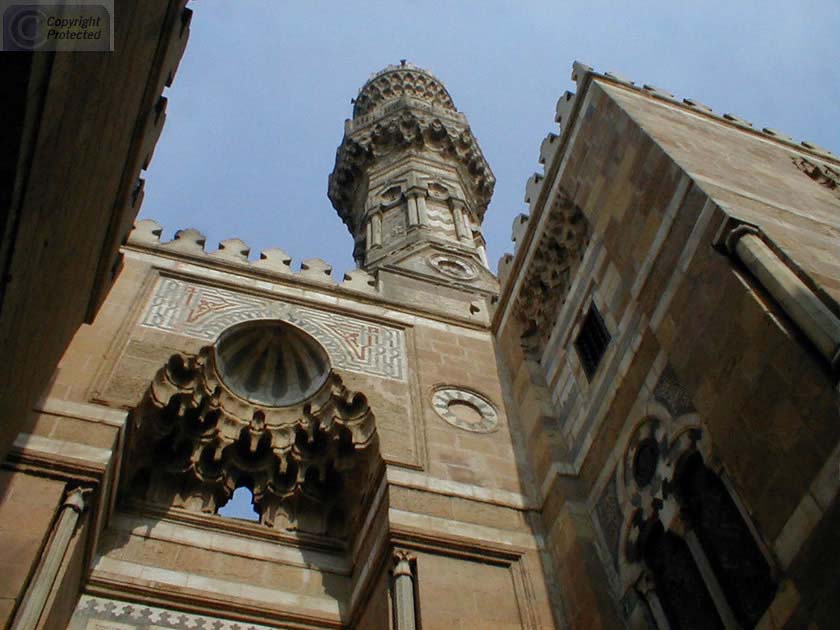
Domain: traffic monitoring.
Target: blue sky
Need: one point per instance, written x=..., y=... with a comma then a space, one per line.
x=257, y=108
x=258, y=105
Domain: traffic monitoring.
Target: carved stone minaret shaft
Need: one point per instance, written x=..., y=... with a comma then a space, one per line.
x=409, y=173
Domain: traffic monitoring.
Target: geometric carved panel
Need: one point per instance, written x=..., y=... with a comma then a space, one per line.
x=672, y=394
x=610, y=518
x=203, y=312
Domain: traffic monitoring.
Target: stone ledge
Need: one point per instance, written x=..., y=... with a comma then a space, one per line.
x=422, y=481
x=83, y=411
x=223, y=591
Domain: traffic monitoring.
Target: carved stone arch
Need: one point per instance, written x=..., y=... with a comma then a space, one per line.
x=392, y=192
x=656, y=409
x=686, y=436
x=640, y=499
x=685, y=539
x=644, y=479
x=677, y=593
x=730, y=545
x=267, y=412
x=629, y=565
x=642, y=453
x=439, y=190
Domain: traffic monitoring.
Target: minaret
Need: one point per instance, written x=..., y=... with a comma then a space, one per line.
x=411, y=184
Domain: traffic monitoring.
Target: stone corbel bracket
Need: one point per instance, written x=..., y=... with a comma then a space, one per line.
x=748, y=245
x=234, y=253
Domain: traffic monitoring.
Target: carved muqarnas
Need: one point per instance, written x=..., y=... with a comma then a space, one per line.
x=820, y=173
x=404, y=130
x=551, y=272
x=310, y=466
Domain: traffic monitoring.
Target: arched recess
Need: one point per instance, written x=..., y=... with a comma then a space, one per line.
x=742, y=570
x=686, y=547
x=679, y=586
x=262, y=408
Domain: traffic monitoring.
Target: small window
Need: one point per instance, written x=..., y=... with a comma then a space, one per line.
x=592, y=341
x=240, y=505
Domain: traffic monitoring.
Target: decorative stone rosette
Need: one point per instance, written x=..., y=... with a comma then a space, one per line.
x=453, y=266
x=465, y=409
x=309, y=465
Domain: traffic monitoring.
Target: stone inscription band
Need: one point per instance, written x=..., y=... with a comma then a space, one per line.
x=203, y=312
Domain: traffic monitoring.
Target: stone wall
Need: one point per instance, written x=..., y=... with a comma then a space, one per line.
x=34, y=501
x=453, y=491
x=89, y=124
x=697, y=345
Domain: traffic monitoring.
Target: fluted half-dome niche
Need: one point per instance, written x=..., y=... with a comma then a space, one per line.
x=271, y=363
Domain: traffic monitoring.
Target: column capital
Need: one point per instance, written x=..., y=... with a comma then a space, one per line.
x=672, y=516
x=76, y=499
x=402, y=562
x=645, y=584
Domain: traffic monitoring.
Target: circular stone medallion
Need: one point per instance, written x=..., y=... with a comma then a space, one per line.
x=452, y=266
x=465, y=410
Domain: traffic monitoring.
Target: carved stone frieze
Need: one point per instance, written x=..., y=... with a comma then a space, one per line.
x=310, y=465
x=549, y=276
x=204, y=312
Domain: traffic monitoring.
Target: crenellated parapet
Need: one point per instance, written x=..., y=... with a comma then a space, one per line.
x=234, y=252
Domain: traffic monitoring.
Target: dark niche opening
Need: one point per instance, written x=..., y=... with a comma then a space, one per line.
x=592, y=341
